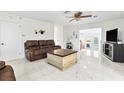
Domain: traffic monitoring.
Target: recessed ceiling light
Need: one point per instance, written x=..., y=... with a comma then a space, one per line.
x=85, y=67
x=11, y=17
x=20, y=18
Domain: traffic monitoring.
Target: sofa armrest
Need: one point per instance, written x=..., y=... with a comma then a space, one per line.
x=57, y=46
x=2, y=64
x=28, y=53
x=7, y=74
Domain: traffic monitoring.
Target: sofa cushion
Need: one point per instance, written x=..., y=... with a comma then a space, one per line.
x=44, y=47
x=38, y=52
x=42, y=42
x=49, y=49
x=33, y=48
x=31, y=43
x=2, y=64
x=50, y=42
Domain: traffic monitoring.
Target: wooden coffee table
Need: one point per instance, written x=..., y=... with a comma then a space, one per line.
x=62, y=58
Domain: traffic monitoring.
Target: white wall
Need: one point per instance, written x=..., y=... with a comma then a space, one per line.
x=58, y=35
x=63, y=33
x=27, y=27
x=106, y=25
x=69, y=37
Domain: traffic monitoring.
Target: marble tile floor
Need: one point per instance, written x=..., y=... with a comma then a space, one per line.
x=88, y=68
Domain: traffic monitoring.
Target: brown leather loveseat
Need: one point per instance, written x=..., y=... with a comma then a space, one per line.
x=37, y=49
x=6, y=72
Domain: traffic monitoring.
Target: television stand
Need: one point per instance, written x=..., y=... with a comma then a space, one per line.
x=114, y=51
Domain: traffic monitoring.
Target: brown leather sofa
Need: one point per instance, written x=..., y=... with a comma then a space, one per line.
x=6, y=72
x=37, y=49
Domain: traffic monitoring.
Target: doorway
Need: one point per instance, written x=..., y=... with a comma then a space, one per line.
x=90, y=41
x=10, y=41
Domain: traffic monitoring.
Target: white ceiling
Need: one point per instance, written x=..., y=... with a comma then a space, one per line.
x=59, y=17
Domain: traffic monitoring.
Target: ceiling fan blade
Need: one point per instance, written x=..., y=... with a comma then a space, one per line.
x=78, y=14
x=69, y=16
x=85, y=16
x=71, y=20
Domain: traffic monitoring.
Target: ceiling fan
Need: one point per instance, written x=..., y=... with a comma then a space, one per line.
x=78, y=16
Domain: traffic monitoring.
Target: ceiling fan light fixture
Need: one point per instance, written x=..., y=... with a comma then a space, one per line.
x=95, y=16
x=80, y=15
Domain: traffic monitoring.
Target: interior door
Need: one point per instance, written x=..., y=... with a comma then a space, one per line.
x=10, y=41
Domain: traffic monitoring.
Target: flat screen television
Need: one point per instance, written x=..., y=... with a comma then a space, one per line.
x=112, y=35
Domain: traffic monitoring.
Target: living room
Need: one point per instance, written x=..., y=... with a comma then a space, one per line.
x=72, y=46
x=42, y=29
